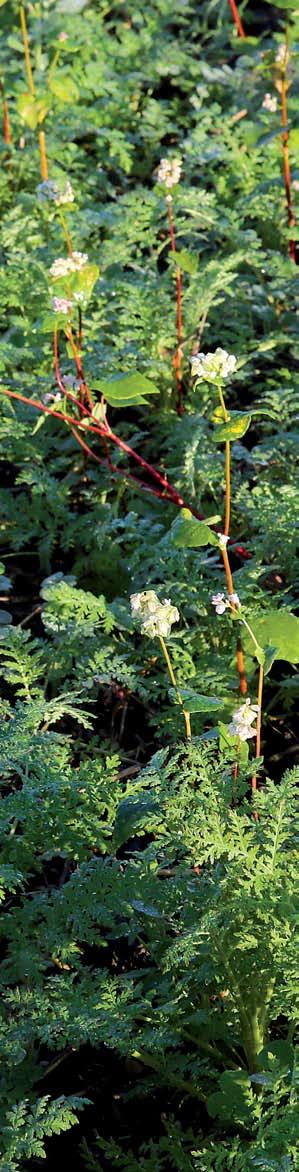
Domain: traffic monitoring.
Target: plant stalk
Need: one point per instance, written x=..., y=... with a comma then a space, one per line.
x=179, y=320
x=41, y=134
x=237, y=18
x=172, y=677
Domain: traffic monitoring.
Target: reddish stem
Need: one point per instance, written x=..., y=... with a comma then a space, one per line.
x=166, y=490
x=286, y=165
x=6, y=127
x=237, y=18
x=177, y=362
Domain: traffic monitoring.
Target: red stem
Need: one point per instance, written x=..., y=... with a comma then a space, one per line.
x=237, y=18
x=286, y=165
x=6, y=127
x=166, y=492
x=177, y=362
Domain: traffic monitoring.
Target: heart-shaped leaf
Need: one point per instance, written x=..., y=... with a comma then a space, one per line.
x=194, y=702
x=188, y=533
x=124, y=390
x=233, y=430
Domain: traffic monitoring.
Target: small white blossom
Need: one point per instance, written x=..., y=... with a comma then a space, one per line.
x=282, y=56
x=169, y=172
x=241, y=724
x=62, y=305
x=70, y=264
x=213, y=367
x=51, y=398
x=295, y=184
x=270, y=103
x=234, y=599
x=49, y=190
x=223, y=539
x=220, y=603
x=156, y=618
x=63, y=37
x=78, y=260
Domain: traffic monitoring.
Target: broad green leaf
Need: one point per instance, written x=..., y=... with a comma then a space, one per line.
x=270, y=654
x=124, y=390
x=278, y=630
x=236, y=427
x=184, y=260
x=33, y=111
x=188, y=533
x=194, y=702
x=64, y=88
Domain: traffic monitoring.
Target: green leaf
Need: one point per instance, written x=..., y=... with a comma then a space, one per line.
x=188, y=533
x=233, y=1102
x=133, y=815
x=236, y=427
x=5, y=617
x=278, y=630
x=31, y=110
x=64, y=88
x=184, y=260
x=270, y=654
x=124, y=390
x=194, y=702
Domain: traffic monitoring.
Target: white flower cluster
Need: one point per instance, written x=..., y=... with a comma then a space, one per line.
x=213, y=367
x=270, y=103
x=295, y=184
x=70, y=264
x=241, y=724
x=62, y=305
x=221, y=603
x=156, y=618
x=223, y=539
x=49, y=190
x=282, y=56
x=169, y=172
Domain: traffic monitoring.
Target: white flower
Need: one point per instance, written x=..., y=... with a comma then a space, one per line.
x=49, y=190
x=234, y=599
x=63, y=36
x=70, y=264
x=223, y=539
x=270, y=103
x=156, y=618
x=78, y=260
x=282, y=56
x=213, y=367
x=295, y=184
x=220, y=603
x=169, y=172
x=242, y=721
x=62, y=305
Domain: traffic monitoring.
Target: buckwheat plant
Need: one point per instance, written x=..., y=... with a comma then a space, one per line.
x=155, y=620
x=169, y=174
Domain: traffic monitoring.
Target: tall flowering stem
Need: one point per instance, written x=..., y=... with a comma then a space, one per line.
x=227, y=466
x=41, y=134
x=169, y=174
x=177, y=362
x=258, y=722
x=237, y=18
x=6, y=127
x=282, y=85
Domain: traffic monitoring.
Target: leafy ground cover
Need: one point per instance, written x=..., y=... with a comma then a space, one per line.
x=149, y=367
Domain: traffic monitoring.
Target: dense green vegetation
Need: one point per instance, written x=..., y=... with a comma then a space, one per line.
x=149, y=367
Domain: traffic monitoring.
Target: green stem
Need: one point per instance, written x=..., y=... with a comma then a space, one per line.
x=171, y=674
